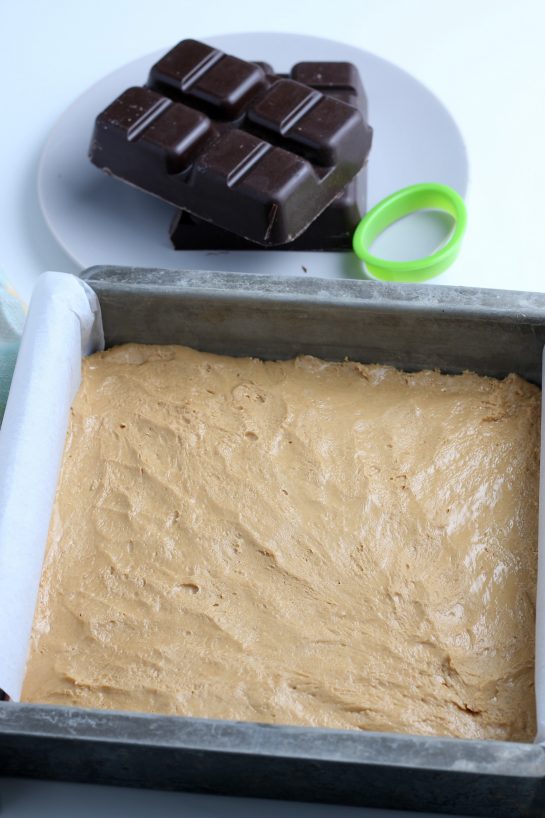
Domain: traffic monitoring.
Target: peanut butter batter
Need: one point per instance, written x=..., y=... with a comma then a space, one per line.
x=298, y=542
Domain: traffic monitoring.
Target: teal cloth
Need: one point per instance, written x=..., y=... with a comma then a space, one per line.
x=8, y=357
x=12, y=318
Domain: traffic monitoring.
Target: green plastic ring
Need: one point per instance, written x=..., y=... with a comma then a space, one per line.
x=416, y=197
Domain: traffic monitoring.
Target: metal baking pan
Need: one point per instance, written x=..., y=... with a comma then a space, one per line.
x=413, y=327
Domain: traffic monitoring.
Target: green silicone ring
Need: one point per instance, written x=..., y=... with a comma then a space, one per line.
x=417, y=197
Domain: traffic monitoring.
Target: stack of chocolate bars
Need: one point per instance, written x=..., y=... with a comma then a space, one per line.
x=250, y=158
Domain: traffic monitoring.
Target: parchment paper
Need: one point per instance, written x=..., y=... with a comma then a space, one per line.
x=63, y=323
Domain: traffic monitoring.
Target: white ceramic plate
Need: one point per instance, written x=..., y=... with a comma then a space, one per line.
x=101, y=220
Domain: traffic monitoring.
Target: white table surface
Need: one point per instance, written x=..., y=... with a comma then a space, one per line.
x=484, y=59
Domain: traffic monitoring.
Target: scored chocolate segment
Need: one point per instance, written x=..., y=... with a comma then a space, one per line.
x=176, y=134
x=233, y=144
x=134, y=110
x=310, y=122
x=229, y=159
x=283, y=106
x=197, y=71
x=254, y=170
x=181, y=68
x=165, y=134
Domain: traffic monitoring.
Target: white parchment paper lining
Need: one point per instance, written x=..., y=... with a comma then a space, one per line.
x=63, y=323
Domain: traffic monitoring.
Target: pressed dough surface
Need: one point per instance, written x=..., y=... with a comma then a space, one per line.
x=298, y=542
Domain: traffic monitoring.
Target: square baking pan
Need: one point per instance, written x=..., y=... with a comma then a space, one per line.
x=412, y=327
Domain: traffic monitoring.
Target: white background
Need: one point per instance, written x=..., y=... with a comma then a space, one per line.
x=485, y=59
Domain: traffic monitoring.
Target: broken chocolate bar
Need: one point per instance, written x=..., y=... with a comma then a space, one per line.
x=230, y=143
x=333, y=229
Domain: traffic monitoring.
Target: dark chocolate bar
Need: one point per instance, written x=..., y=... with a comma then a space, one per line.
x=333, y=229
x=220, y=138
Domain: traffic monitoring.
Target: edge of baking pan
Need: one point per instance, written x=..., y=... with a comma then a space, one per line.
x=405, y=325
x=470, y=777
x=304, y=289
